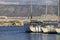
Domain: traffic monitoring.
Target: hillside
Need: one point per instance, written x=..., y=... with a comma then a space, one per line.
x=24, y=10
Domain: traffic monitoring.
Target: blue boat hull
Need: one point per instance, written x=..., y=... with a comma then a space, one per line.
x=58, y=32
x=13, y=28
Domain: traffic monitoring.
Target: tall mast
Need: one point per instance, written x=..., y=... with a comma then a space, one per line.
x=58, y=13
x=31, y=9
x=58, y=9
x=30, y=15
x=46, y=8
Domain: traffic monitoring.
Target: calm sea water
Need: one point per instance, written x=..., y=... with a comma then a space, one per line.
x=28, y=36
x=17, y=33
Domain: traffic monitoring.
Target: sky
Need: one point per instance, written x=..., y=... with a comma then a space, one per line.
x=38, y=2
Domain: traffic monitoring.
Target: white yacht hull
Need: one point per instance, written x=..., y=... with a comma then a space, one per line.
x=48, y=30
x=45, y=30
x=57, y=30
x=35, y=29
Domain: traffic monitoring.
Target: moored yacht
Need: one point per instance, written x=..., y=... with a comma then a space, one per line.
x=49, y=29
x=35, y=27
x=57, y=30
x=45, y=29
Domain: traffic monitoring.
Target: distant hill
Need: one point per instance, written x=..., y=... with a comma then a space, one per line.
x=25, y=10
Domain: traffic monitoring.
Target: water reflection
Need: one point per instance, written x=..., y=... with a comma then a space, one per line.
x=28, y=36
x=58, y=37
x=36, y=36
x=49, y=37
x=14, y=36
x=45, y=36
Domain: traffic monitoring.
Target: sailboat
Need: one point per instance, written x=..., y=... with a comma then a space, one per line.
x=58, y=28
x=45, y=29
x=48, y=28
x=34, y=26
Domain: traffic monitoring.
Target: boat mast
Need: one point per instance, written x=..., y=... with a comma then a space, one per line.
x=30, y=15
x=31, y=9
x=46, y=10
x=58, y=13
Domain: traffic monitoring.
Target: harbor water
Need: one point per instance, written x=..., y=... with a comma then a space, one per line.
x=28, y=36
x=18, y=33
